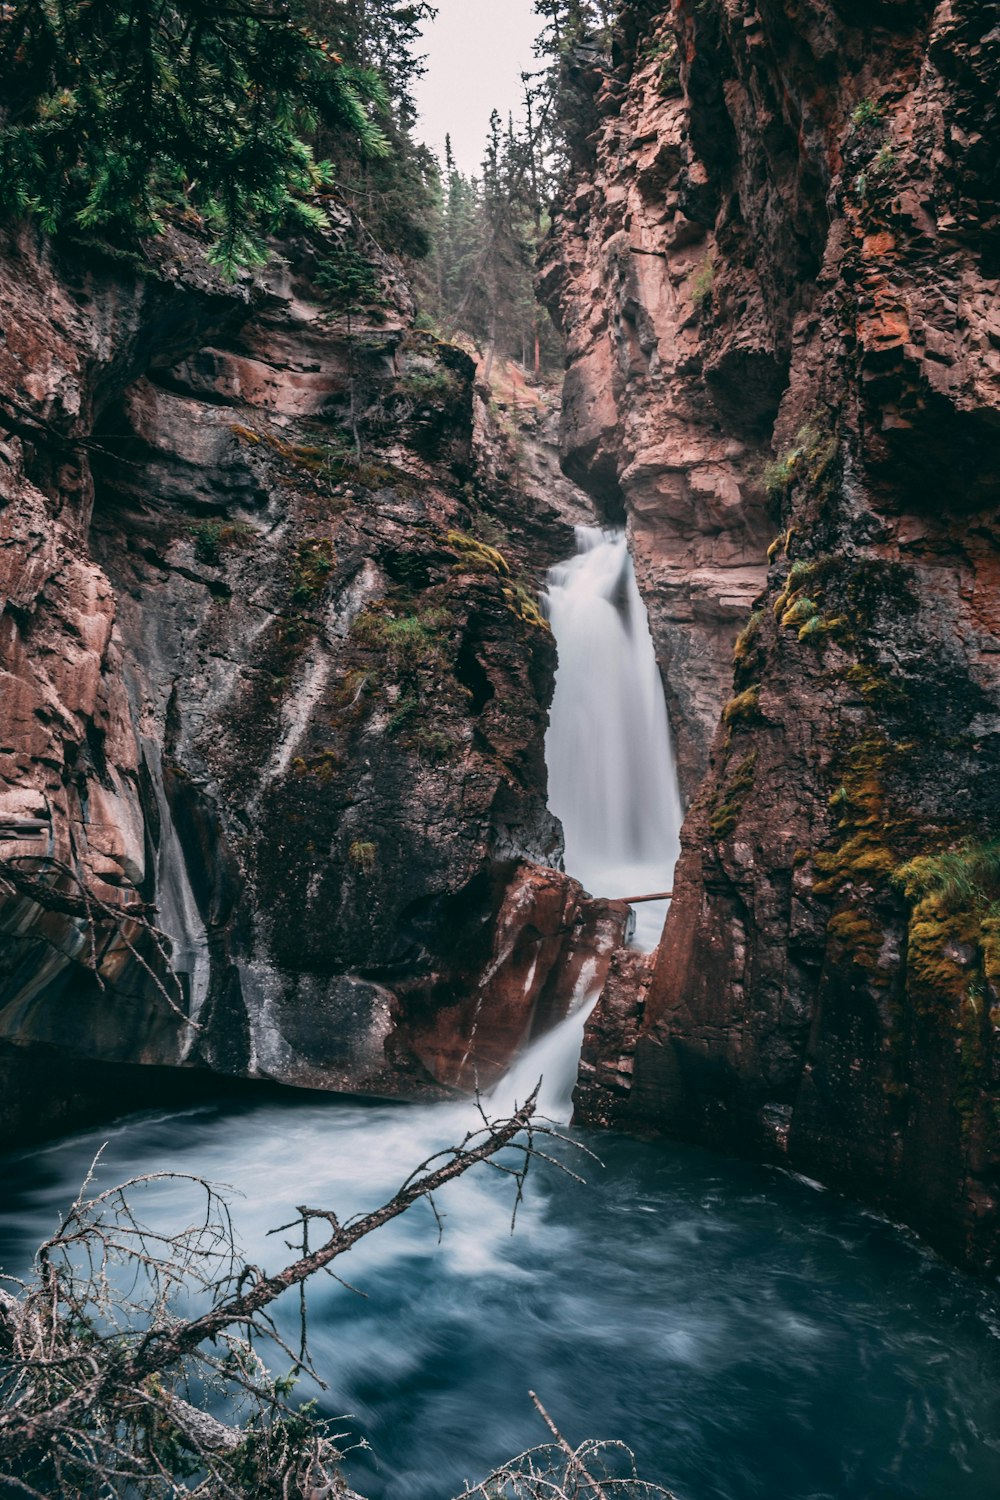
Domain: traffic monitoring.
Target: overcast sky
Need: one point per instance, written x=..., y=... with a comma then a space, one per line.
x=476, y=52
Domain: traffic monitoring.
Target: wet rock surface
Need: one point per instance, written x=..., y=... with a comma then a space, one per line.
x=272, y=665
x=826, y=992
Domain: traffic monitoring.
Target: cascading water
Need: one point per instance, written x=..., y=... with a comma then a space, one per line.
x=179, y=916
x=612, y=776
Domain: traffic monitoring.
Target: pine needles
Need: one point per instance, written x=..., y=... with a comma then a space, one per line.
x=118, y=114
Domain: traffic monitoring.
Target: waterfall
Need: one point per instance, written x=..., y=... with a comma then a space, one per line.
x=178, y=910
x=555, y=1059
x=612, y=776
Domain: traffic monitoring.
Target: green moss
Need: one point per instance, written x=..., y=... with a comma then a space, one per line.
x=953, y=959
x=860, y=939
x=810, y=463
x=777, y=476
x=745, y=641
x=819, y=626
x=323, y=766
x=743, y=708
x=729, y=799
x=525, y=605
x=799, y=612
x=864, y=855
x=477, y=556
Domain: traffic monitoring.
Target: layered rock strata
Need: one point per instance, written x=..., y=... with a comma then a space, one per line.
x=273, y=684
x=827, y=993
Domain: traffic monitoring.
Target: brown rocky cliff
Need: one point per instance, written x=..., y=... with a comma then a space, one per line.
x=826, y=991
x=272, y=663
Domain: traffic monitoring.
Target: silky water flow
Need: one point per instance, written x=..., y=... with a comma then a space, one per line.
x=612, y=776
x=748, y=1334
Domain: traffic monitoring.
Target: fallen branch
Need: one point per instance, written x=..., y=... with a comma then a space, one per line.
x=97, y=1385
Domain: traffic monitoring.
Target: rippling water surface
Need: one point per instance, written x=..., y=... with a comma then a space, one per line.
x=745, y=1333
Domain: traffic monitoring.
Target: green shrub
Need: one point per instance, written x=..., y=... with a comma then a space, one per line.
x=210, y=537
x=314, y=559
x=963, y=877
x=703, y=283
x=407, y=641
x=868, y=112
x=348, y=281
x=429, y=386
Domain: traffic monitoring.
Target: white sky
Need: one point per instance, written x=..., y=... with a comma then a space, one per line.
x=476, y=53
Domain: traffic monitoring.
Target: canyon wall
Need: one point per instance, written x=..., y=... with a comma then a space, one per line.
x=274, y=685
x=778, y=273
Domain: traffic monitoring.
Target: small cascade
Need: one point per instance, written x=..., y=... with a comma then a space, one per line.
x=612, y=775
x=178, y=910
x=554, y=1058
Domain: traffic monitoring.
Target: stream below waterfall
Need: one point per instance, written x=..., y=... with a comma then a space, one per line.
x=748, y=1334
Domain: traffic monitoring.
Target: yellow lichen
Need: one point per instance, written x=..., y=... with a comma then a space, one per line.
x=477, y=555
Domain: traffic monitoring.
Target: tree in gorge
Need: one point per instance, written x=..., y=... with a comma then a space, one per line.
x=487, y=240
x=120, y=112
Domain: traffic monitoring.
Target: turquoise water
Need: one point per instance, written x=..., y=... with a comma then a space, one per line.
x=745, y=1333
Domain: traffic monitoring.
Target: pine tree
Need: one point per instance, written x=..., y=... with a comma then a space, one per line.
x=118, y=112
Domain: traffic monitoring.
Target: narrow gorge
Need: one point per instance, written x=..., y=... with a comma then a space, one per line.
x=414, y=713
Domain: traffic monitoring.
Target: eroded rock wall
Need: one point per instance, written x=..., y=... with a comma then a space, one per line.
x=273, y=674
x=826, y=993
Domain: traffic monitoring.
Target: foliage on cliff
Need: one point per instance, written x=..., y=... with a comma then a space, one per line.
x=118, y=112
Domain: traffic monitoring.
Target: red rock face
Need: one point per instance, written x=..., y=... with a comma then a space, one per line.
x=278, y=692
x=552, y=951
x=818, y=999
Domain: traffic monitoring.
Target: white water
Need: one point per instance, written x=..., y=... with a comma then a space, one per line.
x=554, y=1058
x=612, y=776
x=178, y=910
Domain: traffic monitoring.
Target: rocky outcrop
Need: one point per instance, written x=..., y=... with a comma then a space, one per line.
x=274, y=682
x=827, y=993
x=667, y=410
